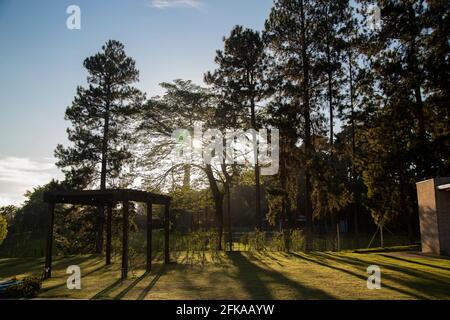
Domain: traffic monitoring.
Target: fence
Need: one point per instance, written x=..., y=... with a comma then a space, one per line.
x=207, y=241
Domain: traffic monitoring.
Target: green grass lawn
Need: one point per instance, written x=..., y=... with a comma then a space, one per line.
x=246, y=275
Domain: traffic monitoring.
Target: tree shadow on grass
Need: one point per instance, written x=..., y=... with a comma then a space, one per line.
x=415, y=262
x=253, y=279
x=258, y=258
x=152, y=283
x=56, y=286
x=11, y=262
x=35, y=266
x=273, y=257
x=423, y=281
x=410, y=271
x=362, y=277
x=124, y=292
x=21, y=266
x=104, y=293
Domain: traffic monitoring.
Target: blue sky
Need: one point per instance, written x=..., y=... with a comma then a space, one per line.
x=41, y=64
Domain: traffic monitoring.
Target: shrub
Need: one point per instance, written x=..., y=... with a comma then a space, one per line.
x=297, y=241
x=257, y=240
x=277, y=243
x=282, y=241
x=26, y=288
x=3, y=228
x=244, y=239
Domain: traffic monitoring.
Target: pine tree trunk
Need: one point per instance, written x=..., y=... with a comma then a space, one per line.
x=330, y=99
x=353, y=171
x=258, y=214
x=187, y=176
x=381, y=236
x=330, y=102
x=416, y=87
x=218, y=202
x=219, y=216
x=206, y=219
x=258, y=197
x=307, y=138
x=230, y=235
x=101, y=209
x=283, y=187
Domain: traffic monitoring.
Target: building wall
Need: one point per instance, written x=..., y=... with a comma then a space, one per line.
x=443, y=217
x=434, y=214
x=426, y=194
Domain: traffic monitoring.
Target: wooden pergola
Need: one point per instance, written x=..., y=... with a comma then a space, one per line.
x=108, y=199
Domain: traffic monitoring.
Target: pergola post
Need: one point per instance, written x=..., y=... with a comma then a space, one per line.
x=126, y=206
x=109, y=234
x=166, y=233
x=100, y=226
x=48, y=252
x=149, y=236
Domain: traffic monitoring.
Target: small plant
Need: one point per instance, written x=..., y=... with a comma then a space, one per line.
x=297, y=241
x=282, y=241
x=287, y=240
x=257, y=241
x=244, y=239
x=277, y=243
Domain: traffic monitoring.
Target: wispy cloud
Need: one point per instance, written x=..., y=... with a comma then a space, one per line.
x=17, y=175
x=165, y=4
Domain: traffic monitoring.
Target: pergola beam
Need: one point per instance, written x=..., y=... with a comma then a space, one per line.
x=103, y=197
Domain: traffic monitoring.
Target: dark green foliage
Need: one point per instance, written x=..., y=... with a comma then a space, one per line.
x=239, y=78
x=3, y=228
x=8, y=212
x=402, y=142
x=74, y=226
x=100, y=116
x=27, y=288
x=28, y=227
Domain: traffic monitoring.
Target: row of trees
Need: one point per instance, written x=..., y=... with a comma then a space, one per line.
x=362, y=109
x=3, y=228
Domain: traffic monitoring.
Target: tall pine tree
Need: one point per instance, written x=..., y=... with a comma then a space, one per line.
x=239, y=80
x=99, y=116
x=291, y=34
